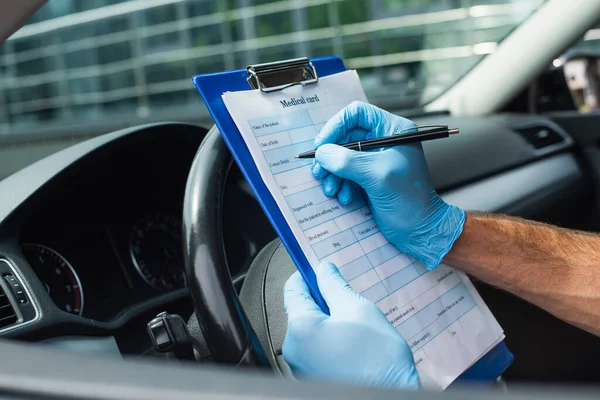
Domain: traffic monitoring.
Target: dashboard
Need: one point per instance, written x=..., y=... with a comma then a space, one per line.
x=96, y=235
x=108, y=235
x=112, y=262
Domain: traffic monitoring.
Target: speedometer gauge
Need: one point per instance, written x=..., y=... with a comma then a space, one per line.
x=157, y=251
x=57, y=275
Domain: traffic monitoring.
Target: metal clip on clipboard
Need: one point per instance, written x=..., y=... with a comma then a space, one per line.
x=275, y=76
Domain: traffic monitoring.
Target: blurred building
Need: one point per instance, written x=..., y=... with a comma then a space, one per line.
x=89, y=61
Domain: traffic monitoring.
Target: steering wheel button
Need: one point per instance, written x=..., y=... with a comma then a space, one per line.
x=16, y=289
x=21, y=297
x=11, y=279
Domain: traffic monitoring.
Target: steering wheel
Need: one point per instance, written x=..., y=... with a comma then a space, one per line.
x=228, y=324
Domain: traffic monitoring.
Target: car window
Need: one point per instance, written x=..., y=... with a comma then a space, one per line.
x=582, y=74
x=88, y=62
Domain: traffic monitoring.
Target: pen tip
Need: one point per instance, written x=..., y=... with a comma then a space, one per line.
x=296, y=156
x=453, y=131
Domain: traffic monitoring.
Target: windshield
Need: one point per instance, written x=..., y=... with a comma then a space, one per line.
x=89, y=62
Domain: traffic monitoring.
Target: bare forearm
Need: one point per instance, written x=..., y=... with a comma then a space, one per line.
x=554, y=268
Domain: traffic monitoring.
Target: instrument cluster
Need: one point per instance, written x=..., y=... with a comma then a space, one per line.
x=127, y=260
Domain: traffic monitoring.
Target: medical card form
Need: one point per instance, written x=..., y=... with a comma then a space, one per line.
x=439, y=312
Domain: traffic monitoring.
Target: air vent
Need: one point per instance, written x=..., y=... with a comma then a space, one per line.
x=540, y=136
x=7, y=312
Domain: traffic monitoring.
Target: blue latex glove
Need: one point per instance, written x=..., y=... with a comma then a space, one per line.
x=396, y=180
x=356, y=344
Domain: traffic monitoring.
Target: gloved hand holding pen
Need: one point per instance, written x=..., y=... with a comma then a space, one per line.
x=396, y=181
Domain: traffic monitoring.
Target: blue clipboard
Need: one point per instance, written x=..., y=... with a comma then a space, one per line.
x=211, y=87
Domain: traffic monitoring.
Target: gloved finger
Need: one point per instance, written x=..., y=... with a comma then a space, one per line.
x=340, y=126
x=318, y=171
x=348, y=192
x=354, y=136
x=347, y=164
x=331, y=185
x=335, y=290
x=298, y=301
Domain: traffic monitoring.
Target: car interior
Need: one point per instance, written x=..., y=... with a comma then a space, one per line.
x=157, y=218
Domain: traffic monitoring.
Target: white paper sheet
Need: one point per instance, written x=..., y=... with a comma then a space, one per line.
x=439, y=312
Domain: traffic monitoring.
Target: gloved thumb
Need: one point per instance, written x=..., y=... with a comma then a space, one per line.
x=333, y=287
x=345, y=163
x=298, y=301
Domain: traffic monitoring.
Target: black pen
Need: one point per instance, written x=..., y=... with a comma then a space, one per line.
x=424, y=133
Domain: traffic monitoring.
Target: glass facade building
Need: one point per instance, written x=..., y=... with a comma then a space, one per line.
x=87, y=61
